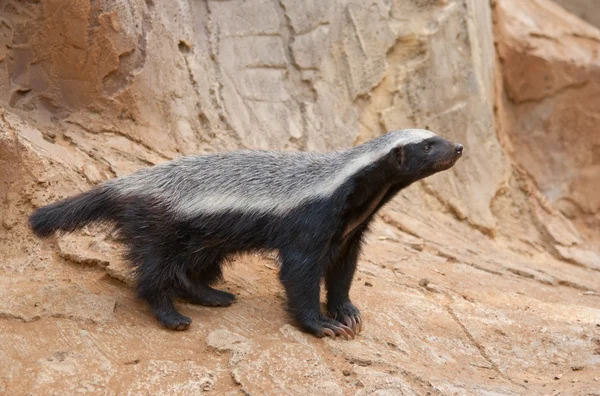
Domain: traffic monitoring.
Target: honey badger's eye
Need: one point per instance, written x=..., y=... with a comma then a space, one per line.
x=427, y=148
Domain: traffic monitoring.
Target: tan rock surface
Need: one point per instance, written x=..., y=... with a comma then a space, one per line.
x=551, y=73
x=587, y=10
x=472, y=282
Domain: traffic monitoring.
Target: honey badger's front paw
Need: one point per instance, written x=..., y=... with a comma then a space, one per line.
x=347, y=313
x=325, y=326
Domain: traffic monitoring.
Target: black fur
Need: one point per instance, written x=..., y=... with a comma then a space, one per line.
x=73, y=213
x=176, y=258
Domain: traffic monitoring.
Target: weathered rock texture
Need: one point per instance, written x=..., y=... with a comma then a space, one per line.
x=588, y=10
x=131, y=86
x=472, y=282
x=551, y=73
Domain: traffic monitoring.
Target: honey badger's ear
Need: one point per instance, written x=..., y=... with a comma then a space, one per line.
x=399, y=154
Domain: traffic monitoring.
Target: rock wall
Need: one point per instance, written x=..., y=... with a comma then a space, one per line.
x=132, y=83
x=588, y=10
x=551, y=79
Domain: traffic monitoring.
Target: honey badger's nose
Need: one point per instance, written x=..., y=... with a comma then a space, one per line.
x=458, y=148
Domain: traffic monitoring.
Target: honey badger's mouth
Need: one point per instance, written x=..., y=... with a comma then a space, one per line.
x=447, y=162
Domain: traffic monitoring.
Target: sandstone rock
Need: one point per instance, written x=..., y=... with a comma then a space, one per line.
x=533, y=274
x=168, y=377
x=29, y=301
x=227, y=341
x=277, y=367
x=580, y=256
x=260, y=74
x=70, y=371
x=122, y=271
x=551, y=73
x=73, y=248
x=97, y=251
x=382, y=383
x=295, y=334
x=585, y=9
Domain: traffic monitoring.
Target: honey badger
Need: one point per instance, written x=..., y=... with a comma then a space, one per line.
x=182, y=219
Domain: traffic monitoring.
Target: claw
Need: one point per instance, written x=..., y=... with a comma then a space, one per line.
x=329, y=332
x=347, y=330
x=343, y=333
x=348, y=321
x=359, y=322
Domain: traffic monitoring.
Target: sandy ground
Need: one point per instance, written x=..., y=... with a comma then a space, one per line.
x=440, y=318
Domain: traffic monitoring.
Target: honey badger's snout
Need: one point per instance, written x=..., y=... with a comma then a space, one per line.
x=455, y=153
x=458, y=149
x=447, y=156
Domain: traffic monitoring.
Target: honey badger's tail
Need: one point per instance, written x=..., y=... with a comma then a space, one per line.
x=70, y=214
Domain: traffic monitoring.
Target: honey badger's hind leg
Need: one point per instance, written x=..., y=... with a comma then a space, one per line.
x=155, y=286
x=162, y=307
x=338, y=279
x=300, y=275
x=155, y=283
x=153, y=243
x=193, y=284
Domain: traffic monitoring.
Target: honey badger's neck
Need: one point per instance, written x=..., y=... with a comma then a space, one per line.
x=420, y=155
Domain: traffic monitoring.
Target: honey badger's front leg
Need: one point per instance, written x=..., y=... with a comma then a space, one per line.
x=300, y=275
x=338, y=280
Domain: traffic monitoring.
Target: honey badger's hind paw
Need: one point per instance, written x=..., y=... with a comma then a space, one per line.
x=329, y=327
x=220, y=298
x=348, y=314
x=174, y=321
x=212, y=298
x=207, y=296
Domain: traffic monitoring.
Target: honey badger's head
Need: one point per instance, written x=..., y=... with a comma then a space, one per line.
x=421, y=153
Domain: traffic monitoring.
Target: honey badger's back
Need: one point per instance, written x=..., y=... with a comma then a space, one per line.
x=243, y=181
x=252, y=181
